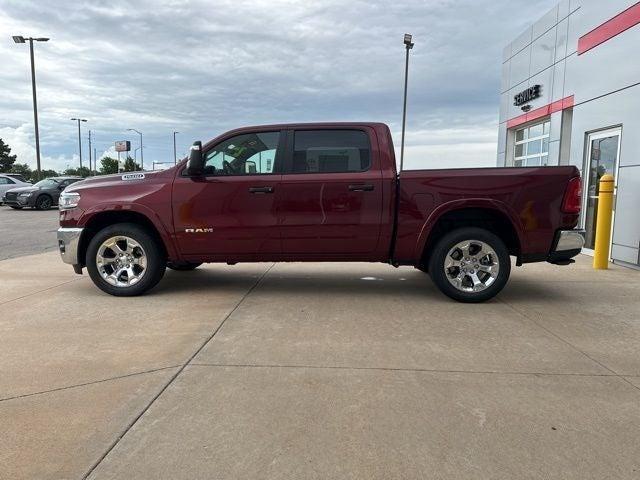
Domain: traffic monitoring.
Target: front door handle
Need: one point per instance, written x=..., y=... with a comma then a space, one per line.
x=361, y=188
x=260, y=189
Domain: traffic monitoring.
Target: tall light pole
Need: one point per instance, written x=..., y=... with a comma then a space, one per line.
x=141, y=149
x=409, y=45
x=79, y=137
x=135, y=154
x=89, y=151
x=175, y=157
x=21, y=39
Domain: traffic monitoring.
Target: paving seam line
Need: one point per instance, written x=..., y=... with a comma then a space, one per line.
x=551, y=332
x=86, y=384
x=40, y=291
x=393, y=369
x=175, y=375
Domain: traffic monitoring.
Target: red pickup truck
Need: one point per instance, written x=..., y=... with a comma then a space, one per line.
x=315, y=193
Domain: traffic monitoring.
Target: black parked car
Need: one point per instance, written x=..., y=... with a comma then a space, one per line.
x=43, y=195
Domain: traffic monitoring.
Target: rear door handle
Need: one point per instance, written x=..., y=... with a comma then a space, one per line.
x=260, y=189
x=361, y=188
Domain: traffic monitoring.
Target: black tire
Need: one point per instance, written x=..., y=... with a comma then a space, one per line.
x=44, y=202
x=15, y=208
x=183, y=266
x=155, y=260
x=440, y=276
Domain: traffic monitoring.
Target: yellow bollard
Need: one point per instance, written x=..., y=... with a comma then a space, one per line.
x=603, y=223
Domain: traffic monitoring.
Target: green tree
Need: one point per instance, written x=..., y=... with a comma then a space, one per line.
x=109, y=165
x=45, y=174
x=130, y=165
x=6, y=159
x=78, y=172
x=23, y=169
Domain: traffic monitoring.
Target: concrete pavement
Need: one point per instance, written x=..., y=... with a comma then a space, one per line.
x=318, y=371
x=27, y=231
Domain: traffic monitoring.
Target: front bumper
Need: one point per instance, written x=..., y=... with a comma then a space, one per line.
x=18, y=201
x=68, y=243
x=568, y=244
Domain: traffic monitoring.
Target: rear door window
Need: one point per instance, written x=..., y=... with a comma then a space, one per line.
x=331, y=151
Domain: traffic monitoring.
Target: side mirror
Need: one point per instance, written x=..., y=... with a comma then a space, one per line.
x=195, y=165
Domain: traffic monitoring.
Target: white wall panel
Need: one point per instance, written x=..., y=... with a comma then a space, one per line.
x=561, y=39
x=504, y=82
x=521, y=41
x=558, y=92
x=543, y=51
x=519, y=71
x=608, y=67
x=563, y=9
x=554, y=153
x=547, y=21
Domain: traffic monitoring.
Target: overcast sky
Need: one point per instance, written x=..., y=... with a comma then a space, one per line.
x=205, y=67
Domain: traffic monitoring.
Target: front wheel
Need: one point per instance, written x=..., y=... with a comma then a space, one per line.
x=125, y=260
x=44, y=202
x=470, y=265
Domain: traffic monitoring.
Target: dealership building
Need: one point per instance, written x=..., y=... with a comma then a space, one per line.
x=570, y=95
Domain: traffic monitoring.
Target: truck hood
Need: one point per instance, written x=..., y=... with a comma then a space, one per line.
x=118, y=179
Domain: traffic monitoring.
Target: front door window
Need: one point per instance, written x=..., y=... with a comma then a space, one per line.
x=602, y=158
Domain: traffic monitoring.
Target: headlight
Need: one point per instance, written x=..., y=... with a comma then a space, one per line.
x=25, y=194
x=68, y=200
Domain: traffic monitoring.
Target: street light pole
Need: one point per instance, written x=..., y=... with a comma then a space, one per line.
x=89, y=151
x=175, y=157
x=21, y=39
x=141, y=149
x=409, y=46
x=79, y=137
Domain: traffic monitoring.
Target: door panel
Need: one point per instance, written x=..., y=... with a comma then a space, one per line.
x=325, y=214
x=221, y=216
x=231, y=211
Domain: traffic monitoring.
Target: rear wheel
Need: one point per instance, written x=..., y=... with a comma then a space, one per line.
x=44, y=202
x=183, y=266
x=125, y=260
x=470, y=265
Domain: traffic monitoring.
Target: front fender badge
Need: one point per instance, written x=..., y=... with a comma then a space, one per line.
x=132, y=176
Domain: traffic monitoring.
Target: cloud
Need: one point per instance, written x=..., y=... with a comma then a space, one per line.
x=203, y=67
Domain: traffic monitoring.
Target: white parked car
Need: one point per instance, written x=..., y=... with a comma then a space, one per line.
x=7, y=182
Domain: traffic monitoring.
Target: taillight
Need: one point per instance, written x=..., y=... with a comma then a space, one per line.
x=572, y=196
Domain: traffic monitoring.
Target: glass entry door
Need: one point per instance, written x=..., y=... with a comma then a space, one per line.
x=603, y=151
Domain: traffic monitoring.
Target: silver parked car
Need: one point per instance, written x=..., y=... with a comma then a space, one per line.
x=9, y=181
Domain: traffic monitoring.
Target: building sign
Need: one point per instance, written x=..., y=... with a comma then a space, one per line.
x=527, y=95
x=123, y=146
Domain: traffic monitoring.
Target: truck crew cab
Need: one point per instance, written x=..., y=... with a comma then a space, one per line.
x=315, y=193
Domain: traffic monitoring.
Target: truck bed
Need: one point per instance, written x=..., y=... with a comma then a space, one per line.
x=529, y=197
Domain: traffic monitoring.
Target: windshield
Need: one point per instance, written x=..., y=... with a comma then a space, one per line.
x=47, y=183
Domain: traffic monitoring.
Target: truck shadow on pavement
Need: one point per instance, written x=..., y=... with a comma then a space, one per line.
x=404, y=283
x=410, y=282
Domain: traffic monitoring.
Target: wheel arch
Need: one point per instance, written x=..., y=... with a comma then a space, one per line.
x=491, y=216
x=96, y=221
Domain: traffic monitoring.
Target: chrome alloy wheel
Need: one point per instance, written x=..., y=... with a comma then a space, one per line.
x=471, y=266
x=121, y=261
